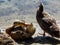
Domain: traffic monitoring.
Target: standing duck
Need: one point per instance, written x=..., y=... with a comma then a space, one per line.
x=47, y=22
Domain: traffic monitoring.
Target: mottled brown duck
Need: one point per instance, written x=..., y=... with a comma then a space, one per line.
x=47, y=22
x=20, y=30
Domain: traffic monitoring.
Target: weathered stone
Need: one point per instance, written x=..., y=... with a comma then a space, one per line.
x=5, y=40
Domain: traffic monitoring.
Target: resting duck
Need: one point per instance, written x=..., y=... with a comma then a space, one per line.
x=47, y=22
x=20, y=30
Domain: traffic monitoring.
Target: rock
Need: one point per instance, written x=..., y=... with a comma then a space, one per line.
x=5, y=40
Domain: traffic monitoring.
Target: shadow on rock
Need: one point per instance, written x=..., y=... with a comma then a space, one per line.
x=46, y=40
x=40, y=40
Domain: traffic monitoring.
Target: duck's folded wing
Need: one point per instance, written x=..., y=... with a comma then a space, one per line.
x=49, y=20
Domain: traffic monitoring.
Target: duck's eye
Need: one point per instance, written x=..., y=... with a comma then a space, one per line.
x=19, y=28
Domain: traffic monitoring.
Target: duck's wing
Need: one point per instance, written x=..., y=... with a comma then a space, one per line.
x=49, y=19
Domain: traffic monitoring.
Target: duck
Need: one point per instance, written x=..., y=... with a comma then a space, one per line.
x=20, y=30
x=47, y=22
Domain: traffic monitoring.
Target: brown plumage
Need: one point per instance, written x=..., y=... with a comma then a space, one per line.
x=20, y=30
x=47, y=22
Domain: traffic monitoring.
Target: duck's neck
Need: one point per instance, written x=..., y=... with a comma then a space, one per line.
x=39, y=14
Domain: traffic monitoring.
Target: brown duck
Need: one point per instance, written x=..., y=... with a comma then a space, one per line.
x=47, y=22
x=20, y=30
